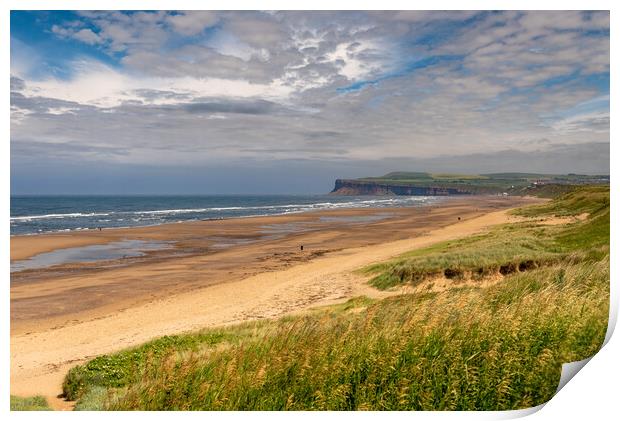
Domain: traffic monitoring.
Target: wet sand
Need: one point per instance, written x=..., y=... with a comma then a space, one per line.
x=218, y=272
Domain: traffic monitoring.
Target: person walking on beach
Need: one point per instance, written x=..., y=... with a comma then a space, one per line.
x=301, y=247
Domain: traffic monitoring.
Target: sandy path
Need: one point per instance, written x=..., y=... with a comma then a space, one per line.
x=40, y=360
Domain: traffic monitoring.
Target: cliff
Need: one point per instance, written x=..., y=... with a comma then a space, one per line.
x=403, y=183
x=363, y=188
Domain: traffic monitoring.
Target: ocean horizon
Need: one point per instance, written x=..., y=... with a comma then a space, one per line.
x=37, y=214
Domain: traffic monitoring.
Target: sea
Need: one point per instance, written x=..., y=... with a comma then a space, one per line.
x=42, y=214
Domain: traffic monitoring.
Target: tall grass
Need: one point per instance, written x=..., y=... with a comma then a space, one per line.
x=466, y=348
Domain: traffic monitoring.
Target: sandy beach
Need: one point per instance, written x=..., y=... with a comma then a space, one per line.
x=216, y=273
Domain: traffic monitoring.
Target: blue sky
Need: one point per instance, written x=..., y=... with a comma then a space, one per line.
x=31, y=29
x=170, y=96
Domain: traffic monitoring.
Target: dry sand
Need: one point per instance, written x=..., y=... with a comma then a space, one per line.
x=56, y=323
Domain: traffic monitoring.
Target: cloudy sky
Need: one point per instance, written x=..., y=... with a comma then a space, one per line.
x=272, y=102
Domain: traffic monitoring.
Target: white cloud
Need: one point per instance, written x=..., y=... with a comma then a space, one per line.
x=87, y=36
x=192, y=23
x=592, y=122
x=72, y=30
x=361, y=59
x=229, y=45
x=101, y=86
x=62, y=110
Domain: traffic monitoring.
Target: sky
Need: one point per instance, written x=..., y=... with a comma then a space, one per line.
x=286, y=102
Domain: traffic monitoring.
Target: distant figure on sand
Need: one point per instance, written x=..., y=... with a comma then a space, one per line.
x=301, y=247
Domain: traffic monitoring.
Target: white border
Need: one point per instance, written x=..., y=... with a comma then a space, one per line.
x=592, y=393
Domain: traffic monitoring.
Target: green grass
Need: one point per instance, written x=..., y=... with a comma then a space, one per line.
x=548, y=191
x=94, y=398
x=588, y=199
x=465, y=348
x=127, y=366
x=32, y=403
x=443, y=176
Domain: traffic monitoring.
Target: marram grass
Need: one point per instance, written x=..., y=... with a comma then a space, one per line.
x=494, y=348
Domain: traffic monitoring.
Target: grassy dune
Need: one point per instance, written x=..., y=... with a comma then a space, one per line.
x=466, y=348
x=510, y=248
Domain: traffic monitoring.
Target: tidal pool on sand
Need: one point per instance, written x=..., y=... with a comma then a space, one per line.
x=94, y=253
